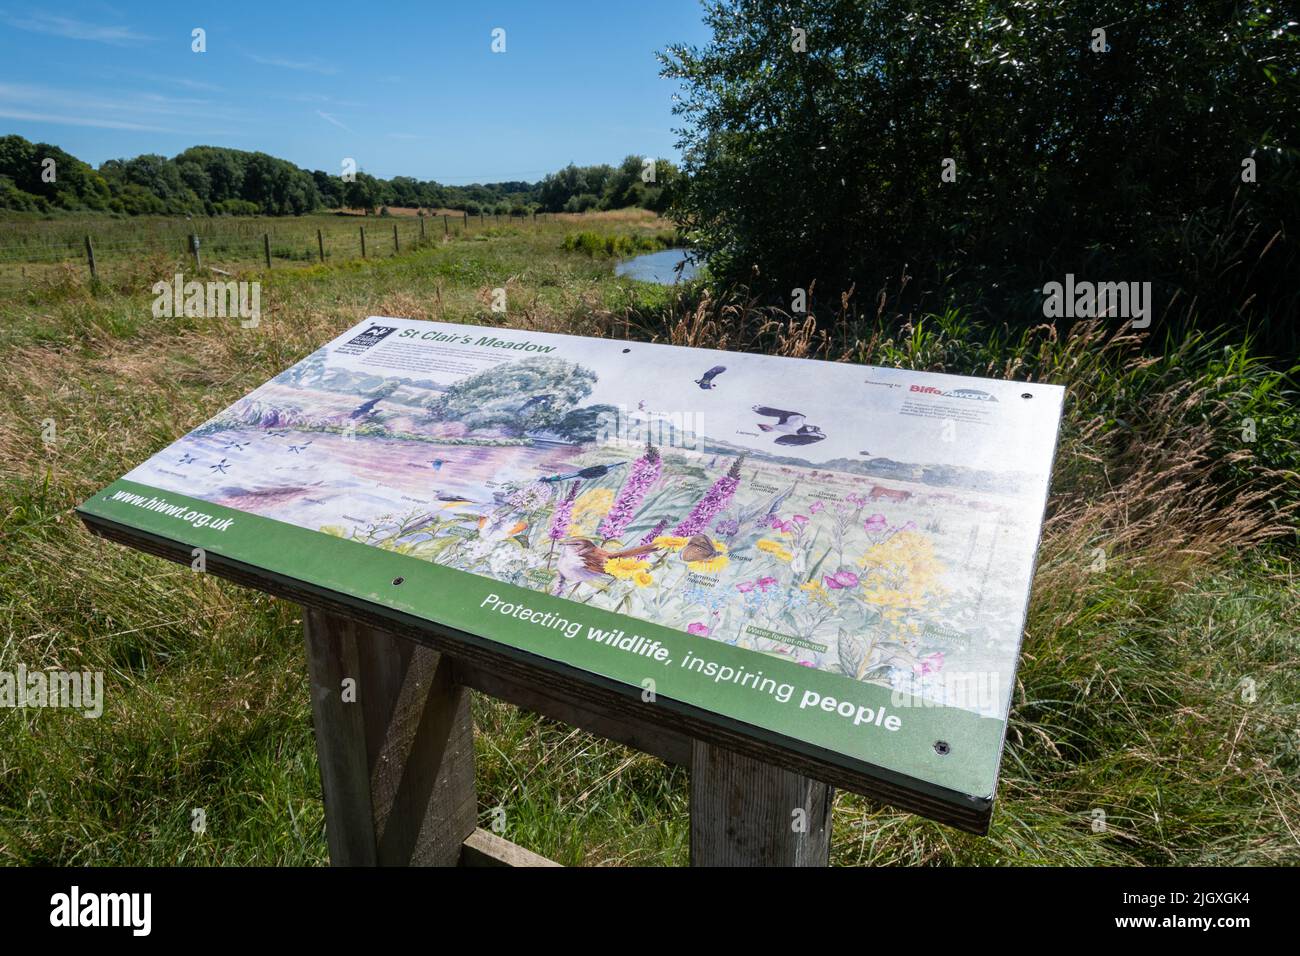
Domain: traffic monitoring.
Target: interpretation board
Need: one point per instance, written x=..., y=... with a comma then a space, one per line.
x=833, y=559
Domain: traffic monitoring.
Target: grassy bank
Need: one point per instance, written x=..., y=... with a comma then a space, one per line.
x=1154, y=720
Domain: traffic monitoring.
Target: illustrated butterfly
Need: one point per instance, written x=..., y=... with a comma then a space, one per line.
x=699, y=548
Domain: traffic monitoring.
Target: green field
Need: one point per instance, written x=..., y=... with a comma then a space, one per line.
x=1155, y=719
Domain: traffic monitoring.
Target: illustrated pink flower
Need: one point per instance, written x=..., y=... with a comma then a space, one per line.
x=930, y=664
x=800, y=519
x=856, y=500
x=765, y=582
x=775, y=522
x=563, y=512
x=744, y=587
x=645, y=472
x=841, y=579
x=875, y=524
x=714, y=500
x=698, y=629
x=816, y=508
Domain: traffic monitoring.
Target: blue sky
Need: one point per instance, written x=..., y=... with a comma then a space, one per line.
x=404, y=88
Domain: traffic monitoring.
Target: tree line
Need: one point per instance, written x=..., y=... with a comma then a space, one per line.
x=210, y=180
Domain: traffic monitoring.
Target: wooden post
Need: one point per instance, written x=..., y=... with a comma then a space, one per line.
x=396, y=250
x=446, y=226
x=422, y=228
x=266, y=246
x=90, y=258
x=748, y=813
x=397, y=763
x=320, y=245
x=482, y=221
x=466, y=213
x=363, y=242
x=194, y=250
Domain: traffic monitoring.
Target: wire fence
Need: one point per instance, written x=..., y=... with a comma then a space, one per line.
x=28, y=260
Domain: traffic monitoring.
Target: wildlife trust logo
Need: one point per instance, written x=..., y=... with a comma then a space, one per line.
x=208, y=300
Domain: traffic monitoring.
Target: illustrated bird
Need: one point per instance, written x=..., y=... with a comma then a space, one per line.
x=586, y=474
x=437, y=464
x=581, y=560
x=454, y=501
x=499, y=528
x=365, y=408
x=793, y=426
x=705, y=381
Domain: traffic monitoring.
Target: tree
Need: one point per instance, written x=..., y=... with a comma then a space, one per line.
x=1118, y=161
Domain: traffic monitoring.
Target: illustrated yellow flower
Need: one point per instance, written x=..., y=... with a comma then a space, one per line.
x=643, y=579
x=590, y=507
x=901, y=574
x=817, y=590
x=671, y=542
x=774, y=548
x=624, y=568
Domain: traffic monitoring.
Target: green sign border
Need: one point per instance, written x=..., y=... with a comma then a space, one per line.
x=966, y=775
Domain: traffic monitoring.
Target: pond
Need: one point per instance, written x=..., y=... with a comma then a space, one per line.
x=660, y=267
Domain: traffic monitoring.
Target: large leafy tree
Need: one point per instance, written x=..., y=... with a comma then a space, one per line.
x=1118, y=161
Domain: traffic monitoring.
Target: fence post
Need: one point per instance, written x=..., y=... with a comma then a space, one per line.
x=194, y=250
x=482, y=220
x=421, y=228
x=446, y=226
x=363, y=242
x=395, y=246
x=465, y=213
x=90, y=257
x=266, y=247
x=320, y=245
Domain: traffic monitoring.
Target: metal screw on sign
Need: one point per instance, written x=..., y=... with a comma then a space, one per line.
x=941, y=748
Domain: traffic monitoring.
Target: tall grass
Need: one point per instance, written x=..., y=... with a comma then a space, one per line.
x=1166, y=584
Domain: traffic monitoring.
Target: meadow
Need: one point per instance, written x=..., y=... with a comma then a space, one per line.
x=1155, y=717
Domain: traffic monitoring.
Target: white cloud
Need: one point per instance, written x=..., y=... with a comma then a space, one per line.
x=330, y=118
x=70, y=29
x=308, y=66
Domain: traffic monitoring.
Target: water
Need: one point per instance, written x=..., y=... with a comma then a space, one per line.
x=659, y=267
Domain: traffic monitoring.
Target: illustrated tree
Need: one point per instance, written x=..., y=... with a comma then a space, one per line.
x=529, y=394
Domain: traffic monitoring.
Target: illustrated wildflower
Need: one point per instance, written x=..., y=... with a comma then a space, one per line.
x=875, y=524
x=727, y=527
x=643, y=579
x=645, y=472
x=817, y=591
x=655, y=532
x=714, y=564
x=842, y=579
x=698, y=629
x=563, y=513
x=624, y=568
x=900, y=574
x=670, y=542
x=591, y=506
x=714, y=500
x=774, y=548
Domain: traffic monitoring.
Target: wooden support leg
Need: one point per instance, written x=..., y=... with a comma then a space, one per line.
x=747, y=813
x=397, y=764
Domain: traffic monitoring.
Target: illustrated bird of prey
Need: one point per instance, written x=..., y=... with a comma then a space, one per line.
x=437, y=464
x=792, y=425
x=454, y=501
x=366, y=408
x=705, y=381
x=582, y=561
x=587, y=474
